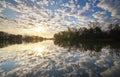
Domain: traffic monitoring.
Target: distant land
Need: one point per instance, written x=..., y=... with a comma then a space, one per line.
x=4, y=36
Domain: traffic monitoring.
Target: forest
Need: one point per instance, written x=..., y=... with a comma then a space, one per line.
x=94, y=33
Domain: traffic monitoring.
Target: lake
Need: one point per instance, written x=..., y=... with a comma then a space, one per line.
x=50, y=59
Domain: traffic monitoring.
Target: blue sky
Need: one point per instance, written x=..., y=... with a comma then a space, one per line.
x=37, y=17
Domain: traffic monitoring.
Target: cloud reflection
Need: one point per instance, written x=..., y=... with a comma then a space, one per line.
x=46, y=60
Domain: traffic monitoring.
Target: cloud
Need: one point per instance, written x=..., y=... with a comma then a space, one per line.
x=100, y=16
x=38, y=13
x=85, y=9
x=1, y=9
x=112, y=6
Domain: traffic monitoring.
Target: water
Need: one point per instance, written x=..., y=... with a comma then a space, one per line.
x=46, y=59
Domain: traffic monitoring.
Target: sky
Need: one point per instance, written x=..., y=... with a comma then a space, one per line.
x=47, y=17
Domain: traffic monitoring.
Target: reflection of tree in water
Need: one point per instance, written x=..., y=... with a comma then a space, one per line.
x=6, y=43
x=89, y=45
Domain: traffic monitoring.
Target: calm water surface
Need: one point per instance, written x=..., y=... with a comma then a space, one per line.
x=44, y=59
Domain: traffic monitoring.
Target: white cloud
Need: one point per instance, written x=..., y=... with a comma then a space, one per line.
x=100, y=16
x=112, y=6
x=1, y=9
x=85, y=9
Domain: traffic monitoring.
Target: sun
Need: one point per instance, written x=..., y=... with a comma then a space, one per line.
x=38, y=29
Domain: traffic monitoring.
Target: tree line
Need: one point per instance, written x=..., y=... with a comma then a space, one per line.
x=94, y=33
x=9, y=39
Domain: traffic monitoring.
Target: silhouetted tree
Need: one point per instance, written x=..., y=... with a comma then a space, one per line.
x=93, y=33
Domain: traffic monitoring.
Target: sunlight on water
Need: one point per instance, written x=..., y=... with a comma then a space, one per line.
x=39, y=49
